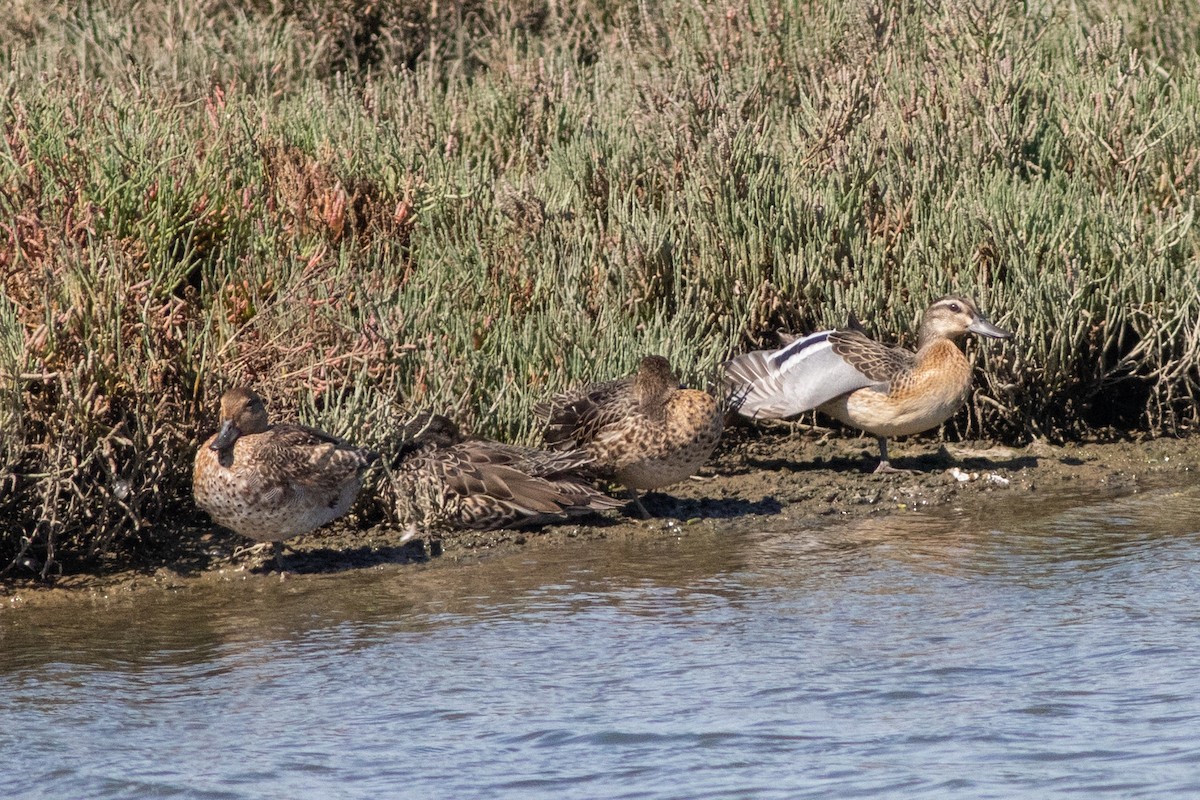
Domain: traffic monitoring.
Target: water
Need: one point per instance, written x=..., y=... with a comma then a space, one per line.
x=1046, y=648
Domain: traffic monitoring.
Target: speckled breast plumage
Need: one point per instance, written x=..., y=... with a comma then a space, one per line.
x=917, y=399
x=645, y=452
x=643, y=430
x=242, y=492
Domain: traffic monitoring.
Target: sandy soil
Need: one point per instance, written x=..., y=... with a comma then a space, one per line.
x=781, y=474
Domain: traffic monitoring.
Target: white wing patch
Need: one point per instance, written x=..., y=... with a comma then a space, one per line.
x=772, y=384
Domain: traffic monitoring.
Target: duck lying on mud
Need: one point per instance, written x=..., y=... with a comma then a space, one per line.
x=441, y=476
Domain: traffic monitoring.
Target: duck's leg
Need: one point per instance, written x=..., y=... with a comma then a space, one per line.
x=637, y=501
x=255, y=549
x=884, y=464
x=277, y=548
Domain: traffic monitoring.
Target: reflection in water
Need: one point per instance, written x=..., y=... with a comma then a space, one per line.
x=1035, y=649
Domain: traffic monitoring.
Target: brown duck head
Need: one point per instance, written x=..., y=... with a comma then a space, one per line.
x=243, y=412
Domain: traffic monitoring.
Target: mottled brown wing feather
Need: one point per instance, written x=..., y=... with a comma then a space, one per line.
x=590, y=393
x=310, y=458
x=538, y=463
x=478, y=468
x=491, y=486
x=576, y=417
x=879, y=362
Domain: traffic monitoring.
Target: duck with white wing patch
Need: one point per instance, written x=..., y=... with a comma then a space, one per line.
x=881, y=389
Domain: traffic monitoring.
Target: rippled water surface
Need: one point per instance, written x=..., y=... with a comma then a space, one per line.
x=1046, y=648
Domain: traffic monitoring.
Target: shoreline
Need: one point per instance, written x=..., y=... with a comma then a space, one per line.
x=768, y=478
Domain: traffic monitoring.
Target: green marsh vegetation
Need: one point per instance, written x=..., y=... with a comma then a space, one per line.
x=367, y=207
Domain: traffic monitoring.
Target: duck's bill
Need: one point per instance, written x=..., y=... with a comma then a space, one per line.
x=985, y=328
x=226, y=436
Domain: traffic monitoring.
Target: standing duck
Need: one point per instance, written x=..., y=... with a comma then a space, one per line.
x=442, y=476
x=273, y=482
x=884, y=390
x=643, y=431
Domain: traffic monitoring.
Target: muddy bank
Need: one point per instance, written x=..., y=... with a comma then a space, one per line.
x=756, y=479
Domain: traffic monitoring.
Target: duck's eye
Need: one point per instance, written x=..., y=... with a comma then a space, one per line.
x=955, y=307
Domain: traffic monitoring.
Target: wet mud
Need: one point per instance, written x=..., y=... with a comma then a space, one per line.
x=778, y=477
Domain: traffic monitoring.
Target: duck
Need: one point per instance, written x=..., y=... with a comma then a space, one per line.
x=884, y=390
x=270, y=483
x=644, y=431
x=444, y=477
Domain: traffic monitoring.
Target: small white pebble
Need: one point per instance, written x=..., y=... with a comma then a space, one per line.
x=959, y=475
x=999, y=480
